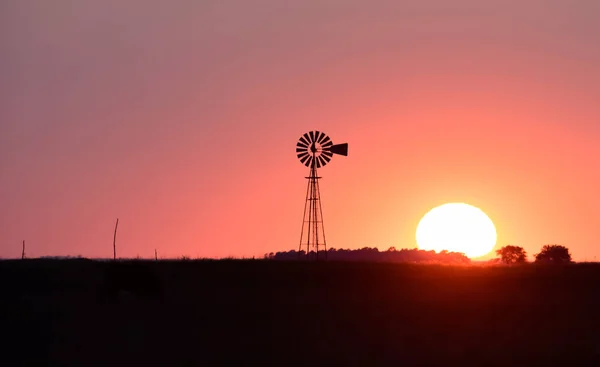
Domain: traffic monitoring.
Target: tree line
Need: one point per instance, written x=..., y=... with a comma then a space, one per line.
x=374, y=255
x=509, y=255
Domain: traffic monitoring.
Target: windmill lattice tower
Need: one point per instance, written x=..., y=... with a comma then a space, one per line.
x=315, y=149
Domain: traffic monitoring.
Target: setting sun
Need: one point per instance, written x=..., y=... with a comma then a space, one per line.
x=457, y=227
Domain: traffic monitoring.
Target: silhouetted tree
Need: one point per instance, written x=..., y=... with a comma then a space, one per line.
x=512, y=254
x=553, y=254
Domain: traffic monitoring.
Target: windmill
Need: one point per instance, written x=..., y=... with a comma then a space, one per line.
x=315, y=150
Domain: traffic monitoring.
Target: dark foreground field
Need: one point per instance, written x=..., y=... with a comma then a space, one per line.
x=84, y=313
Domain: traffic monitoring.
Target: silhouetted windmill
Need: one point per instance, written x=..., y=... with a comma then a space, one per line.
x=315, y=150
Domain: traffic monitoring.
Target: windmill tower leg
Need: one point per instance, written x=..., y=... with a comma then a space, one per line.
x=315, y=218
x=319, y=216
x=304, y=220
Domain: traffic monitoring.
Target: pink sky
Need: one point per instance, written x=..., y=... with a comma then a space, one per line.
x=181, y=118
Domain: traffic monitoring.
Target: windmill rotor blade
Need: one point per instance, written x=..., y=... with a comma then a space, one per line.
x=318, y=162
x=304, y=141
x=312, y=137
x=325, y=157
x=302, y=155
x=319, y=135
x=310, y=161
x=322, y=161
x=340, y=149
x=322, y=138
x=304, y=160
x=301, y=149
x=326, y=141
x=307, y=138
x=301, y=144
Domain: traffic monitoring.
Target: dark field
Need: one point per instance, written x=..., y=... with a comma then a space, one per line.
x=85, y=313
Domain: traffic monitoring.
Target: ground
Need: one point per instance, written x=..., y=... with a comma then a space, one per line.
x=88, y=313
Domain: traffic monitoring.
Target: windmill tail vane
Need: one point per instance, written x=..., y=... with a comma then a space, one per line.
x=315, y=149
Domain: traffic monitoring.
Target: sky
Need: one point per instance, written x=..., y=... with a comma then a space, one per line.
x=180, y=118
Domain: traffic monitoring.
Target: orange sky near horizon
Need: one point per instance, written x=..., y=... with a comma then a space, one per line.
x=181, y=120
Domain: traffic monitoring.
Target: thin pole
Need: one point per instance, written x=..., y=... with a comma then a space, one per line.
x=115, y=241
x=23, y=251
x=155, y=255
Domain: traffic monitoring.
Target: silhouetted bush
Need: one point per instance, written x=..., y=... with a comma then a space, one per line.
x=553, y=254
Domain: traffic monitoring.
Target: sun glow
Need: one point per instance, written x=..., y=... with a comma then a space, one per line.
x=457, y=227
